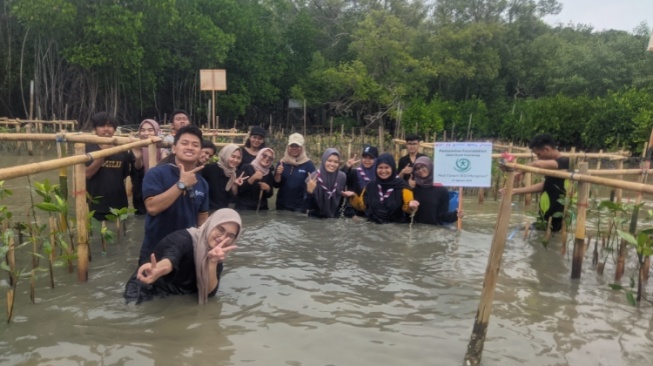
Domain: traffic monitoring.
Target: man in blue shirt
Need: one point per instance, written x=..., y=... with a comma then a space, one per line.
x=176, y=196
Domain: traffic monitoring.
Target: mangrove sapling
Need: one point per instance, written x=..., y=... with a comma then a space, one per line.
x=106, y=235
x=644, y=247
x=119, y=215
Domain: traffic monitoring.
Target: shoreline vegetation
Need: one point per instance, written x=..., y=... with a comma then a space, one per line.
x=487, y=69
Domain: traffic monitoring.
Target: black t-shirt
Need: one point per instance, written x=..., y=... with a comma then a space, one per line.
x=405, y=161
x=248, y=194
x=433, y=206
x=108, y=183
x=553, y=191
x=219, y=197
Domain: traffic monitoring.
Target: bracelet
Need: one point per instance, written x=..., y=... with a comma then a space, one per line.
x=90, y=157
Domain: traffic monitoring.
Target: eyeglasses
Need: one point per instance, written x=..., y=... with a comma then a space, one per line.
x=267, y=157
x=294, y=146
x=222, y=233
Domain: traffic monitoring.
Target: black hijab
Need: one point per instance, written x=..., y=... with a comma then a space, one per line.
x=393, y=181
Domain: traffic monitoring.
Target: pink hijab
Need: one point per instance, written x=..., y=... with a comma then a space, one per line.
x=257, y=163
x=146, y=153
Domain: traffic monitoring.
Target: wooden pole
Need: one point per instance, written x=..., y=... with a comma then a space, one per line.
x=579, y=241
x=212, y=122
x=81, y=208
x=631, y=186
x=63, y=174
x=151, y=152
x=528, y=181
x=69, y=137
x=30, y=148
x=482, y=321
x=30, y=169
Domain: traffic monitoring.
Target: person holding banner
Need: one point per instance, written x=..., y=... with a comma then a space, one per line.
x=389, y=198
x=433, y=198
x=549, y=157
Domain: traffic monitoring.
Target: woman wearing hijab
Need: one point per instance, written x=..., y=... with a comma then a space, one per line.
x=256, y=189
x=222, y=179
x=255, y=142
x=358, y=178
x=433, y=199
x=388, y=199
x=290, y=176
x=326, y=186
x=147, y=129
x=187, y=261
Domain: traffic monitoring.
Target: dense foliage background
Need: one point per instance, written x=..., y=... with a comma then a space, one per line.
x=486, y=68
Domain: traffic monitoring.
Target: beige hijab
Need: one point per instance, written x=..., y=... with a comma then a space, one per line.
x=200, y=237
x=223, y=163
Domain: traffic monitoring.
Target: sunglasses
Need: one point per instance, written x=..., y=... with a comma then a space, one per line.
x=267, y=157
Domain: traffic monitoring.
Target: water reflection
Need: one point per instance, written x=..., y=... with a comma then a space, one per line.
x=303, y=291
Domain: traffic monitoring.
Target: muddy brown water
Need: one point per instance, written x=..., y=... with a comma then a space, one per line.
x=302, y=291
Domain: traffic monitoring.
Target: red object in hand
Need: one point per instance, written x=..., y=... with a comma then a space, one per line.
x=508, y=158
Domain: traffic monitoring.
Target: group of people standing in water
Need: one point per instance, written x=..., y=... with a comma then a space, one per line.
x=183, y=247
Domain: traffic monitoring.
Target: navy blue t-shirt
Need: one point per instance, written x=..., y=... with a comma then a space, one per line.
x=182, y=214
x=291, y=195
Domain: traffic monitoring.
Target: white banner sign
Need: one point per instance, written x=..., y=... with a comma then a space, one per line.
x=463, y=164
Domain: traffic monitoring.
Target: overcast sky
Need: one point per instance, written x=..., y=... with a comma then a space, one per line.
x=605, y=14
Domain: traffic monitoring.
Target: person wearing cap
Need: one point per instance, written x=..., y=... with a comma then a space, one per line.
x=255, y=142
x=358, y=178
x=290, y=176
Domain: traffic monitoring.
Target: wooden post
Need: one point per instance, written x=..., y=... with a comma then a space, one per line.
x=81, y=208
x=579, y=241
x=598, y=161
x=330, y=128
x=528, y=181
x=618, y=191
x=63, y=173
x=479, y=332
x=30, y=150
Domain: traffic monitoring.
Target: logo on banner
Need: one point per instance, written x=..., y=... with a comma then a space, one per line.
x=463, y=165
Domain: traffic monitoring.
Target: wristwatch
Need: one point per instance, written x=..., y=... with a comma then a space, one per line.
x=181, y=185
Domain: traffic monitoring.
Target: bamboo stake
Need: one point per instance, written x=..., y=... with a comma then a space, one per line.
x=10, y=304
x=30, y=169
x=152, y=150
x=11, y=261
x=81, y=208
x=579, y=241
x=619, y=172
x=619, y=191
x=481, y=323
x=63, y=174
